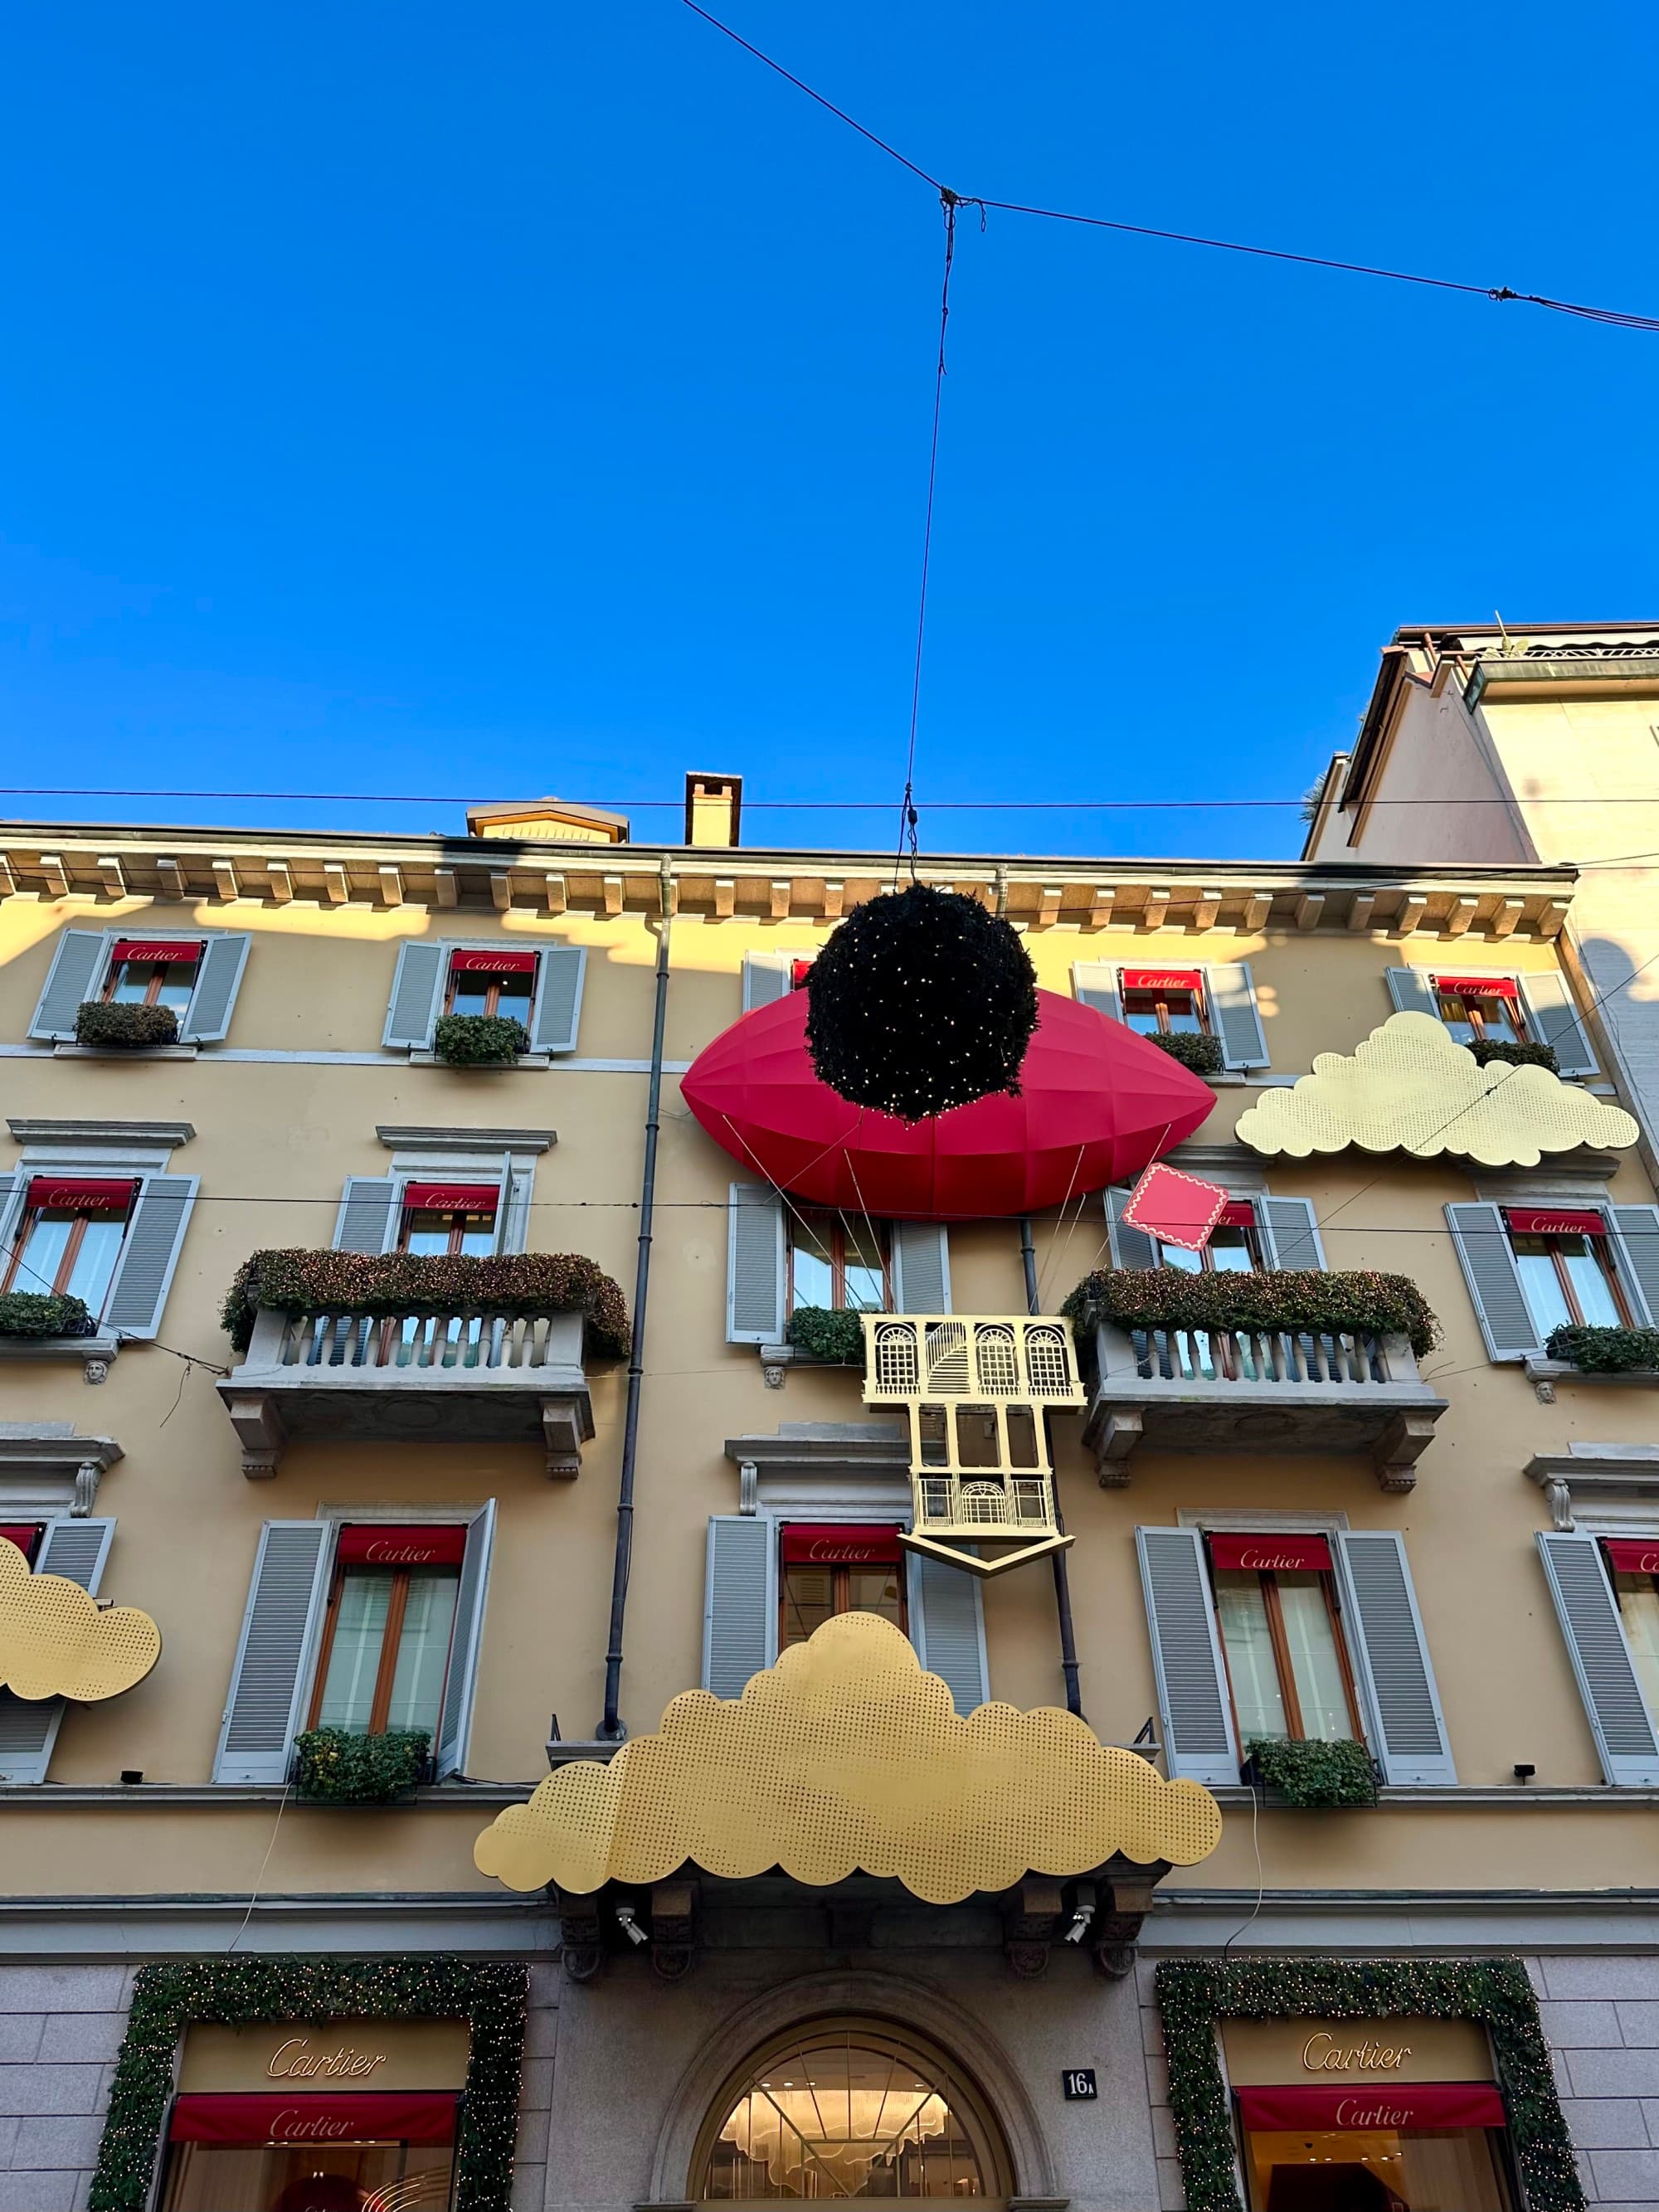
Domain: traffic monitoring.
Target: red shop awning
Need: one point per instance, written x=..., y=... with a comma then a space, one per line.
x=1555, y=1221
x=492, y=964
x=1405, y=2105
x=25, y=1537
x=383, y=1543
x=1631, y=1555
x=452, y=1197
x=1237, y=1213
x=1479, y=987
x=77, y=1195
x=1162, y=979
x=374, y=2116
x=155, y=948
x=819, y=1544
x=1265, y=1554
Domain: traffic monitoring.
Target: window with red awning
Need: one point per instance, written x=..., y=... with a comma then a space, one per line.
x=389, y=1544
x=489, y=963
x=80, y=1194
x=370, y=2116
x=1271, y=1555
x=1406, y=2105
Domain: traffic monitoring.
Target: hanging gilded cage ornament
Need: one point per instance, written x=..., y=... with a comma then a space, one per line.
x=920, y=1001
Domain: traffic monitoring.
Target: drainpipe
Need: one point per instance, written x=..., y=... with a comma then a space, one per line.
x=611, y=1729
x=1062, y=1572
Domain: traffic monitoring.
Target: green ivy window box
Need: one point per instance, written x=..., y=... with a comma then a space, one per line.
x=335, y=1766
x=1313, y=1776
x=1486, y=1049
x=32, y=1313
x=113, y=1027
x=1311, y=1301
x=1601, y=1351
x=479, y=1040
x=834, y=1335
x=1202, y=1055
x=408, y=1284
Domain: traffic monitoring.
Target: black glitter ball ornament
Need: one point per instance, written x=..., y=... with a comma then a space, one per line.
x=920, y=1001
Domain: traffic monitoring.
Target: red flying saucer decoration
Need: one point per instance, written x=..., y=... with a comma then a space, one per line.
x=1176, y=1208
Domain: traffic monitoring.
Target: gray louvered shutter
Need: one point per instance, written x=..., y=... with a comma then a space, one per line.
x=947, y=1626
x=756, y=1261
x=561, y=971
x=1130, y=1247
x=921, y=1267
x=207, y=1017
x=416, y=990
x=284, y=1605
x=1192, y=1687
x=461, y=1680
x=75, y=972
x=767, y=976
x=1482, y=1250
x=149, y=1253
x=28, y=1726
x=1391, y=1657
x=1635, y=1248
x=1233, y=1014
x=1588, y=1613
x=740, y=1602
x=1554, y=1019
x=1094, y=983
x=512, y=1218
x=368, y=1212
x=1290, y=1232
x=1412, y=992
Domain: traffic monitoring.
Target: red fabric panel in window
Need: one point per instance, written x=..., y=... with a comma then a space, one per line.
x=492, y=964
x=1554, y=1221
x=156, y=948
x=814, y=1544
x=1479, y=987
x=371, y=2116
x=452, y=1197
x=799, y=972
x=1237, y=1213
x=1631, y=1555
x=79, y=1196
x=1161, y=979
x=383, y=1544
x=1264, y=1554
x=26, y=1538
x=1393, y=2104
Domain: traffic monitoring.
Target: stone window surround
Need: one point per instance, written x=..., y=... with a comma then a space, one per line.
x=47, y=1471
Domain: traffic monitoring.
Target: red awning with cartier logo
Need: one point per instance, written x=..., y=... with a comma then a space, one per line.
x=1479, y=987
x=372, y=2116
x=1555, y=1221
x=73, y=1194
x=1406, y=2105
x=1161, y=979
x=812, y=1544
x=26, y=1538
x=369, y=1544
x=1273, y=1554
x=1237, y=1213
x=491, y=964
x=452, y=1197
x=1631, y=1555
x=154, y=948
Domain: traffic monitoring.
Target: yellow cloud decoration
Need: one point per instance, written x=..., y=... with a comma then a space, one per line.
x=846, y=1757
x=1412, y=1088
x=54, y=1642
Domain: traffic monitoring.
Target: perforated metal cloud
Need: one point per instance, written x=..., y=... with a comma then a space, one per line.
x=54, y=1642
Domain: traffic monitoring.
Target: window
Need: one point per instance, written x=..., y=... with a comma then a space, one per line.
x=1234, y=1248
x=835, y=1260
x=1287, y=1666
x=827, y=1570
x=1475, y=1008
x=71, y=1239
x=160, y=973
x=24, y=1534
x=1632, y=1563
x=1565, y=1268
x=449, y=1217
x=1162, y=1001
x=387, y=1631
x=491, y=984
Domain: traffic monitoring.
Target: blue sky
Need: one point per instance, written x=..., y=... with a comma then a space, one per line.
x=415, y=399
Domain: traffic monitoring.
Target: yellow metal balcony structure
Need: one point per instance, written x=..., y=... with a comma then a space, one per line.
x=973, y=1389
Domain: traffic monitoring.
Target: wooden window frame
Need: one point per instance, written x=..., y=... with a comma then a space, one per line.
x=76, y=1238
x=1279, y=1642
x=392, y=1636
x=1603, y=1259
x=492, y=983
x=836, y=1239
x=1160, y=1007
x=1471, y=1002
x=840, y=1587
x=160, y=971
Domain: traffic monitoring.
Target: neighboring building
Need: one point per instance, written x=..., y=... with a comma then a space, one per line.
x=1281, y=1527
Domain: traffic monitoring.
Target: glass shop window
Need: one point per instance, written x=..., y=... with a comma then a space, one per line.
x=1414, y=2169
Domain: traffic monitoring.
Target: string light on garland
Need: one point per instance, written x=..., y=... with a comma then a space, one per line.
x=920, y=1001
x=167, y=2000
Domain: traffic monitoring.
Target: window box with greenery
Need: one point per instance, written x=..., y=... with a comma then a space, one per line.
x=119, y=1026
x=1515, y=1052
x=32, y=1314
x=479, y=1040
x=337, y=1767
x=1604, y=1351
x=1311, y=1301
x=403, y=1284
x=1193, y=1048
x=833, y=1335
x=1313, y=1775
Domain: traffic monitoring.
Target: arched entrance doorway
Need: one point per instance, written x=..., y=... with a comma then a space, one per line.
x=849, y=2109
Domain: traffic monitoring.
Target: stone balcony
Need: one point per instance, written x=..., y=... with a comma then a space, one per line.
x=468, y=1376
x=1257, y=1390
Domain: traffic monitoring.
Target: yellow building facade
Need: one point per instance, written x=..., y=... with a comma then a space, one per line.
x=372, y=1525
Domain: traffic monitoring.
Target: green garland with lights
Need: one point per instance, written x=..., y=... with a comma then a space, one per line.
x=490, y=1997
x=1193, y=1994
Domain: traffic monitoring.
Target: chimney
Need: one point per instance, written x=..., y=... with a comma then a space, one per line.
x=713, y=809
